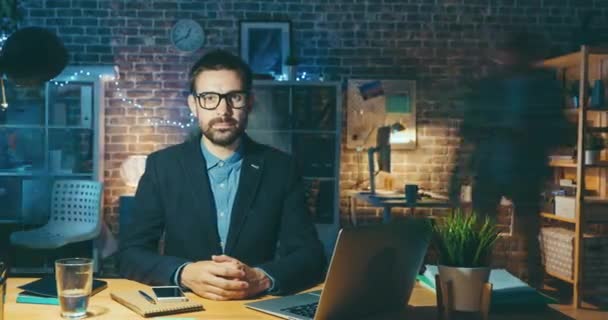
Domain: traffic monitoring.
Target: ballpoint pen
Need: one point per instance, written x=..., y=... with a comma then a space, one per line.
x=145, y=295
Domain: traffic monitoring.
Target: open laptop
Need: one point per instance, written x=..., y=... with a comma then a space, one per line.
x=373, y=270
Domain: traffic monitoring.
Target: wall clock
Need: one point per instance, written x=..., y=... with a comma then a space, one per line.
x=187, y=35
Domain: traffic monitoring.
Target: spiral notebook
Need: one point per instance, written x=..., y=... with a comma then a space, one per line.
x=134, y=301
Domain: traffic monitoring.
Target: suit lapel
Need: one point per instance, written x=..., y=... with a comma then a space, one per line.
x=203, y=205
x=251, y=173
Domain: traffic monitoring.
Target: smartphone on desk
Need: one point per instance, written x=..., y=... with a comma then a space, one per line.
x=169, y=294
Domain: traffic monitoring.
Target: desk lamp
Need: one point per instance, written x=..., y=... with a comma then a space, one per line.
x=383, y=148
x=132, y=169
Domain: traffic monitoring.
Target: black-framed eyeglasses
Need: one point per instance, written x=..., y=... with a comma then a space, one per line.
x=211, y=100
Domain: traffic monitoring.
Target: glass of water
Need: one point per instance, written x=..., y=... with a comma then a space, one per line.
x=74, y=278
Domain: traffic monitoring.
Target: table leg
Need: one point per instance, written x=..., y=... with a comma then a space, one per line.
x=386, y=214
x=353, y=210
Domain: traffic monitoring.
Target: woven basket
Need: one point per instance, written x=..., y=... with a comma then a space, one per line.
x=557, y=252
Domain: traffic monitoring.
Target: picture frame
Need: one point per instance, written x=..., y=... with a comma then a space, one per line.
x=265, y=45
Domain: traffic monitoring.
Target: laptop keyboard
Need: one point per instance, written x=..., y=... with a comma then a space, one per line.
x=305, y=310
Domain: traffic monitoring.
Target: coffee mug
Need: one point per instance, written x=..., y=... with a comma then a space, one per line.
x=411, y=192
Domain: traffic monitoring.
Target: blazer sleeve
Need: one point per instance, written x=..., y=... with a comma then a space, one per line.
x=301, y=261
x=139, y=258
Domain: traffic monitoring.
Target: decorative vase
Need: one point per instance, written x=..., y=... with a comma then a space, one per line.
x=291, y=73
x=597, y=94
x=592, y=156
x=467, y=284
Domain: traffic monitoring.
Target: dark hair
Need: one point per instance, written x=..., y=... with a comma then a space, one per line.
x=524, y=44
x=221, y=60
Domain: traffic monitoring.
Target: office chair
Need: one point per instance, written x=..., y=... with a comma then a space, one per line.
x=75, y=216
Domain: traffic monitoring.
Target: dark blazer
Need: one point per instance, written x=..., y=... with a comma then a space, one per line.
x=270, y=225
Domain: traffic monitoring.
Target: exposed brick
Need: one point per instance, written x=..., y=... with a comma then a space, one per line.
x=113, y=147
x=141, y=129
x=141, y=148
x=124, y=139
x=116, y=129
x=415, y=39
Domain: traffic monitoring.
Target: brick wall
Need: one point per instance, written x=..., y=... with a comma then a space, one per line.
x=439, y=43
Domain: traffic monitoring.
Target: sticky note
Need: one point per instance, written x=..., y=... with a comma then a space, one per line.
x=398, y=104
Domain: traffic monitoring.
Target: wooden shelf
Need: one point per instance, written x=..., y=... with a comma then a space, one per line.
x=598, y=129
x=600, y=164
x=562, y=163
x=573, y=59
x=596, y=200
x=559, y=276
x=584, y=65
x=552, y=216
x=572, y=164
x=574, y=112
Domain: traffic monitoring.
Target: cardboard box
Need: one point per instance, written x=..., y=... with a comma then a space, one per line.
x=565, y=207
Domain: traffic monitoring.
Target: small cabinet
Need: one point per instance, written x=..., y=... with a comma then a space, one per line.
x=49, y=132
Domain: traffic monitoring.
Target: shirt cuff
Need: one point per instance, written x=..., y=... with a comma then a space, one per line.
x=177, y=275
x=273, y=287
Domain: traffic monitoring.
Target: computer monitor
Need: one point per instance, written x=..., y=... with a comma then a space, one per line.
x=383, y=148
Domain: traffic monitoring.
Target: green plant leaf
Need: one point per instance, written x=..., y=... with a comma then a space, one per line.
x=462, y=240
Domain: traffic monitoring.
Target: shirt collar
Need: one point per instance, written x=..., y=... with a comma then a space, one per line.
x=212, y=160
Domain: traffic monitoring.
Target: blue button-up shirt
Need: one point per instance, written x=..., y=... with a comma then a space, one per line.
x=224, y=176
x=224, y=180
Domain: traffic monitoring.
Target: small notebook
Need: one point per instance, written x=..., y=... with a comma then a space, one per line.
x=134, y=301
x=47, y=287
x=44, y=291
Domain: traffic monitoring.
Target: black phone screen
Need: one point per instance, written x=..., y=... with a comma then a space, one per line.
x=167, y=292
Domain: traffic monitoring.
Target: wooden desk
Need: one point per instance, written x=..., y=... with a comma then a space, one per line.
x=387, y=202
x=101, y=306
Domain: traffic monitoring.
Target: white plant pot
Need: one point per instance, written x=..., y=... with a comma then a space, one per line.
x=467, y=285
x=592, y=156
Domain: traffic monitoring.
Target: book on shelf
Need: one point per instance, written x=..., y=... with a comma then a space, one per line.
x=559, y=157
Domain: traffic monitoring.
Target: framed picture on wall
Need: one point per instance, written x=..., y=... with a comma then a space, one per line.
x=265, y=45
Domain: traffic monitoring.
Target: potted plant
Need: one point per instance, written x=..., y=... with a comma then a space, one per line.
x=291, y=62
x=464, y=245
x=593, y=146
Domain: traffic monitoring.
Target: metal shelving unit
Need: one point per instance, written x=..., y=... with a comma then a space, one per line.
x=67, y=110
x=296, y=117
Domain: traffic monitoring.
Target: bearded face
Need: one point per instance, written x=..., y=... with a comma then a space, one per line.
x=221, y=106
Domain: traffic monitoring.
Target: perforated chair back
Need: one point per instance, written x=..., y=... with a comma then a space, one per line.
x=75, y=216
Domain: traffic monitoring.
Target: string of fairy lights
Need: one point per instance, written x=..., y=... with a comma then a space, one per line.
x=121, y=94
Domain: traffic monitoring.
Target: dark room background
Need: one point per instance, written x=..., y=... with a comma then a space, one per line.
x=440, y=43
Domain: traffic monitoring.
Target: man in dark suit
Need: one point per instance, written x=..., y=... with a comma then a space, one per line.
x=232, y=211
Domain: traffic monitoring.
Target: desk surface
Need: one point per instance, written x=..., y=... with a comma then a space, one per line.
x=398, y=200
x=101, y=306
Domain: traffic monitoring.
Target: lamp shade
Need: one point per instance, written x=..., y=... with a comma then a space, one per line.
x=132, y=169
x=33, y=55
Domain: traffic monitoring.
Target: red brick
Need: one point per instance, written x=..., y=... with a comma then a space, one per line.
x=111, y=148
x=151, y=138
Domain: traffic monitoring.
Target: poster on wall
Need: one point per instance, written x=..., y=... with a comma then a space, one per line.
x=373, y=103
